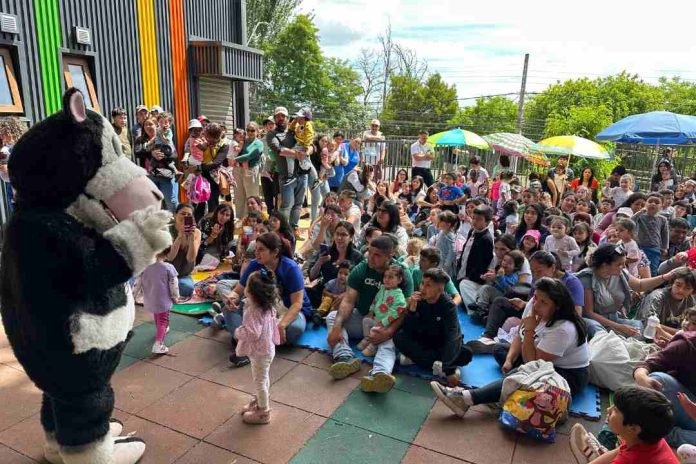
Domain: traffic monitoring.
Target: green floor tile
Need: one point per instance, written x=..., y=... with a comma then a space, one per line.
x=413, y=385
x=181, y=323
x=140, y=345
x=342, y=443
x=125, y=362
x=396, y=414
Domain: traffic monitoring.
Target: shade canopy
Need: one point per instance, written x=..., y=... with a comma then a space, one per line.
x=654, y=128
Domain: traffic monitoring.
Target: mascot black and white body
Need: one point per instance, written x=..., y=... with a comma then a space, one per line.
x=87, y=220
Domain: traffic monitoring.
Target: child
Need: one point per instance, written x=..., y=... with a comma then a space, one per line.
x=256, y=338
x=667, y=200
x=653, y=231
x=606, y=205
x=236, y=146
x=583, y=237
x=433, y=229
x=621, y=193
x=413, y=249
x=583, y=206
x=482, y=191
x=160, y=288
x=626, y=230
x=405, y=193
x=303, y=129
x=248, y=232
x=450, y=195
x=530, y=242
x=682, y=209
x=371, y=233
x=474, y=182
x=164, y=134
x=508, y=275
x=504, y=191
x=561, y=243
x=445, y=241
x=388, y=305
x=334, y=289
x=192, y=146
x=511, y=219
x=641, y=417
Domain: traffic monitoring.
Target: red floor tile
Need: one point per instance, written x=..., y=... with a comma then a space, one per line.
x=240, y=378
x=418, y=455
x=164, y=445
x=26, y=437
x=530, y=451
x=8, y=456
x=194, y=356
x=274, y=443
x=141, y=384
x=445, y=433
x=219, y=335
x=204, y=453
x=312, y=390
x=7, y=356
x=18, y=396
x=292, y=353
x=197, y=408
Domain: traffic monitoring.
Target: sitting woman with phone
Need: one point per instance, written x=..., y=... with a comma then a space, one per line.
x=217, y=233
x=329, y=258
x=187, y=241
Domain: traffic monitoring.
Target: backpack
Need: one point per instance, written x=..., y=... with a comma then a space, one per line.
x=198, y=190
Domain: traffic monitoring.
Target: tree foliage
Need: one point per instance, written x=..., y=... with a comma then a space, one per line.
x=266, y=19
x=488, y=115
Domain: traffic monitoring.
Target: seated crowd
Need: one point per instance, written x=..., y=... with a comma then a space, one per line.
x=388, y=264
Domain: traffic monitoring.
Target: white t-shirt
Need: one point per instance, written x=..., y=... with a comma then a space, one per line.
x=632, y=252
x=355, y=212
x=505, y=194
x=417, y=149
x=561, y=339
x=372, y=150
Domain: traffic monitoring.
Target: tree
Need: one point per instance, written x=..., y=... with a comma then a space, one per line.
x=412, y=105
x=488, y=115
x=266, y=19
x=679, y=95
x=340, y=107
x=371, y=70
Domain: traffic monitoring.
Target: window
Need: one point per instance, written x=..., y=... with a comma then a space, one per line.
x=78, y=75
x=10, y=101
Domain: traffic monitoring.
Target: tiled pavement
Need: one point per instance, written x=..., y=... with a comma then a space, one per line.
x=185, y=405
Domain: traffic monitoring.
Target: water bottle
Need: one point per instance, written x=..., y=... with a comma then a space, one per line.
x=651, y=328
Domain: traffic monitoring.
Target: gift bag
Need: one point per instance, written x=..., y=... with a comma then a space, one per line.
x=535, y=412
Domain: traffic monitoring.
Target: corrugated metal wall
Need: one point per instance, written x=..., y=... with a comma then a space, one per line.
x=148, y=52
x=115, y=43
x=49, y=42
x=27, y=62
x=164, y=55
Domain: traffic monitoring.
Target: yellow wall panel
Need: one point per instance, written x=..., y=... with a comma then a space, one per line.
x=148, y=52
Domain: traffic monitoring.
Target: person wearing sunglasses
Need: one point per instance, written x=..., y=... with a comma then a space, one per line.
x=248, y=180
x=608, y=286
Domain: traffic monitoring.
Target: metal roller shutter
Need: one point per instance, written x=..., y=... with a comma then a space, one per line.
x=216, y=100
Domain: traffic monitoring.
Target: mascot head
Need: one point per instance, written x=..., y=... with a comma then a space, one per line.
x=73, y=161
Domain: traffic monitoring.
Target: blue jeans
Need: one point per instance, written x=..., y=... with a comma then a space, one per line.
x=353, y=328
x=293, y=332
x=594, y=326
x=317, y=198
x=684, y=430
x=185, y=286
x=171, y=194
x=292, y=197
x=653, y=255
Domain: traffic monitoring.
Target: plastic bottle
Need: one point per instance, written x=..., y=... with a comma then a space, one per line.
x=651, y=328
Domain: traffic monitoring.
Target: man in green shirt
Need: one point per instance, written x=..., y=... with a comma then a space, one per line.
x=430, y=258
x=364, y=282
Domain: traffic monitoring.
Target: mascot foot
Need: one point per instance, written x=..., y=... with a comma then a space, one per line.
x=108, y=450
x=128, y=450
x=52, y=450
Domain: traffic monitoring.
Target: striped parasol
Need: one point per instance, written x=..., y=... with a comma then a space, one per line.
x=515, y=145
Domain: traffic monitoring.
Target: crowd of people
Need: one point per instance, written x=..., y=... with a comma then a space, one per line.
x=544, y=263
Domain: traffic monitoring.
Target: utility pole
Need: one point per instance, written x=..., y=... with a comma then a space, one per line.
x=520, y=106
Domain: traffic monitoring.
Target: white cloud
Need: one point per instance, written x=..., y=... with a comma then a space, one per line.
x=480, y=46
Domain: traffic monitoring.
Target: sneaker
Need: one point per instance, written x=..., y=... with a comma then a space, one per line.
x=370, y=350
x=437, y=369
x=381, y=382
x=362, y=344
x=451, y=397
x=239, y=361
x=217, y=307
x=218, y=321
x=687, y=454
x=344, y=367
x=405, y=361
x=257, y=416
x=584, y=445
x=250, y=406
x=482, y=345
x=159, y=348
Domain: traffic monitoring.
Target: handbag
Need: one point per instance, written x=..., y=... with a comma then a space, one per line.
x=535, y=412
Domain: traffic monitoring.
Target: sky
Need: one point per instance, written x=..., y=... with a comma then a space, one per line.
x=480, y=46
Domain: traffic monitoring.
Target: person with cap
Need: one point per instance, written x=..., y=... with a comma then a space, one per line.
x=562, y=162
x=269, y=174
x=281, y=143
x=193, y=155
x=141, y=114
x=302, y=128
x=203, y=119
x=156, y=110
x=422, y=154
x=119, y=120
x=374, y=148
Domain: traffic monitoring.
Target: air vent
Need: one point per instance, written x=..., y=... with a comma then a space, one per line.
x=83, y=36
x=8, y=23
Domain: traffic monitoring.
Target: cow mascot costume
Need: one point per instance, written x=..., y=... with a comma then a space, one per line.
x=87, y=220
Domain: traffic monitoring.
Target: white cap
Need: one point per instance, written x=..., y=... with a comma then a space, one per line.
x=281, y=110
x=626, y=211
x=157, y=108
x=195, y=124
x=375, y=122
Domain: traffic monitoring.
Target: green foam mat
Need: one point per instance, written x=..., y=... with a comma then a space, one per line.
x=195, y=309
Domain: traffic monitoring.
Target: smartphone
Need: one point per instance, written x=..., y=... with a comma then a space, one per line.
x=188, y=222
x=324, y=249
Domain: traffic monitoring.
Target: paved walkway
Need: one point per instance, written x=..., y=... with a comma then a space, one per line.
x=185, y=405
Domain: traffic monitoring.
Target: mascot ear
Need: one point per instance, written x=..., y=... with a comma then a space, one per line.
x=74, y=105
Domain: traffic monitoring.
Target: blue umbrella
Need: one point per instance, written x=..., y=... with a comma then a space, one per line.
x=654, y=128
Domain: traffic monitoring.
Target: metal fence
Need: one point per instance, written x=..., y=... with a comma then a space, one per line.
x=641, y=161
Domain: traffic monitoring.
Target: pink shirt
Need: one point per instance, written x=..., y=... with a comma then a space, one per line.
x=258, y=335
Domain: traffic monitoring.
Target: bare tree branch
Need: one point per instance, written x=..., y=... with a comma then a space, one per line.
x=370, y=68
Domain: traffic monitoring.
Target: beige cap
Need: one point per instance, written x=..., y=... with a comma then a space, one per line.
x=375, y=122
x=281, y=110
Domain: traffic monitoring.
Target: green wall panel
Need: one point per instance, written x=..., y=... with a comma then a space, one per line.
x=49, y=39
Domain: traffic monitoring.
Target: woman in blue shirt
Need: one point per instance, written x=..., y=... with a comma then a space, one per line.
x=352, y=151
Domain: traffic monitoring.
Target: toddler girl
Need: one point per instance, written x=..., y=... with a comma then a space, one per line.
x=413, y=249
x=160, y=287
x=388, y=305
x=194, y=142
x=256, y=338
x=444, y=241
x=334, y=289
x=561, y=243
x=530, y=242
x=583, y=237
x=508, y=275
x=621, y=193
x=626, y=231
x=510, y=215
